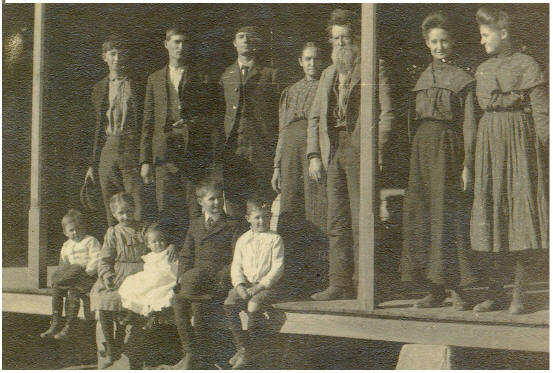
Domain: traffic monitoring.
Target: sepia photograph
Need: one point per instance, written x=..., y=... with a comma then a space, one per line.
x=218, y=186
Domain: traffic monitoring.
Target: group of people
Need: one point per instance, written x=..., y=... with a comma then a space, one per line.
x=211, y=171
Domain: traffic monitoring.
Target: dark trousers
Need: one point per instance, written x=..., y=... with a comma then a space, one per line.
x=243, y=177
x=195, y=284
x=176, y=201
x=119, y=172
x=343, y=212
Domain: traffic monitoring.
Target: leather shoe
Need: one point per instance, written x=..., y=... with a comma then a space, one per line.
x=333, y=293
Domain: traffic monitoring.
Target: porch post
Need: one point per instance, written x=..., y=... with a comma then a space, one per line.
x=366, y=289
x=37, y=245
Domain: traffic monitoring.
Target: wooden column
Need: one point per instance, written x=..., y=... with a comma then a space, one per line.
x=366, y=289
x=37, y=245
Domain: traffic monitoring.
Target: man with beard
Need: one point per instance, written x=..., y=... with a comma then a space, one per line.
x=176, y=133
x=333, y=143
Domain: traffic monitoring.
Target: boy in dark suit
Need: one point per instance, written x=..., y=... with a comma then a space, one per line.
x=252, y=95
x=204, y=268
x=117, y=102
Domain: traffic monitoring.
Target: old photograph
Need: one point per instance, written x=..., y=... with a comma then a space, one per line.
x=275, y=186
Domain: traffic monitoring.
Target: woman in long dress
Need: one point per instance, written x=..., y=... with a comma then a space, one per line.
x=435, y=251
x=302, y=218
x=509, y=214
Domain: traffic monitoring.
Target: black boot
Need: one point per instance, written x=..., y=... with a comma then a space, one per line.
x=517, y=306
x=57, y=308
x=182, y=309
x=434, y=299
x=239, y=337
x=73, y=304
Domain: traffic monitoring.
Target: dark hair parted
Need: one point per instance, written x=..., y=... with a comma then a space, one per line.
x=115, y=42
x=177, y=30
x=208, y=185
x=436, y=20
x=493, y=17
x=309, y=44
x=345, y=18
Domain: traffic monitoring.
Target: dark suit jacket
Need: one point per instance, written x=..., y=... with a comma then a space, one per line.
x=161, y=143
x=210, y=249
x=262, y=98
x=131, y=136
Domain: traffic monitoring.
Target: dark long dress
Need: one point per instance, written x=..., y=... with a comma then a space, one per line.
x=302, y=218
x=510, y=205
x=436, y=209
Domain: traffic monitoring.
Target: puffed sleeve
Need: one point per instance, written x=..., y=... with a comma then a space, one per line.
x=236, y=271
x=107, y=255
x=93, y=247
x=281, y=118
x=277, y=264
x=469, y=125
x=539, y=100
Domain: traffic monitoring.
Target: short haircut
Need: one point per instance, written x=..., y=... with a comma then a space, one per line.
x=256, y=202
x=114, y=42
x=436, y=20
x=309, y=44
x=177, y=30
x=155, y=227
x=250, y=30
x=72, y=216
x=207, y=185
x=345, y=18
x=493, y=17
x=121, y=197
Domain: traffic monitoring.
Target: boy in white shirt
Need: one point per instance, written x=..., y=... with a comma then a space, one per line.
x=75, y=276
x=257, y=265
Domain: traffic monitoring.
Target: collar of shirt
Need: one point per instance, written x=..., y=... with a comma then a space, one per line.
x=176, y=74
x=214, y=217
x=114, y=78
x=249, y=65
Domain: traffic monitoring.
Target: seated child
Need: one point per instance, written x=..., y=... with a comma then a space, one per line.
x=75, y=276
x=257, y=266
x=148, y=292
x=120, y=257
x=204, y=266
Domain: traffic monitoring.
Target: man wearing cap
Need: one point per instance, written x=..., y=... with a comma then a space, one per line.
x=333, y=145
x=176, y=133
x=251, y=93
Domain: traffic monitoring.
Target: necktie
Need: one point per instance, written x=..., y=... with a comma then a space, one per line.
x=244, y=73
x=210, y=223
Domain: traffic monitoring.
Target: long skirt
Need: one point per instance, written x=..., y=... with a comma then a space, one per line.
x=510, y=205
x=436, y=210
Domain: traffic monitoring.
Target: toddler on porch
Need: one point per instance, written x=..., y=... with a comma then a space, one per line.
x=148, y=292
x=75, y=276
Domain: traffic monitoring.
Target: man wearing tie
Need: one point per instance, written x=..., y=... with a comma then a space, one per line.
x=251, y=93
x=176, y=145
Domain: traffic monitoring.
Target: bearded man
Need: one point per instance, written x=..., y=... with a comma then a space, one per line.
x=333, y=144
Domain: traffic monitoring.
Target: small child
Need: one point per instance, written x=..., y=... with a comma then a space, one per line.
x=148, y=292
x=75, y=276
x=257, y=265
x=120, y=257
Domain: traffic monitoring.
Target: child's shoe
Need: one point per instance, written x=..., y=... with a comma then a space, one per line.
x=109, y=358
x=489, y=305
x=73, y=304
x=233, y=359
x=66, y=332
x=55, y=326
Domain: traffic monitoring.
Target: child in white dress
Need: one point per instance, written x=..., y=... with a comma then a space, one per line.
x=148, y=292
